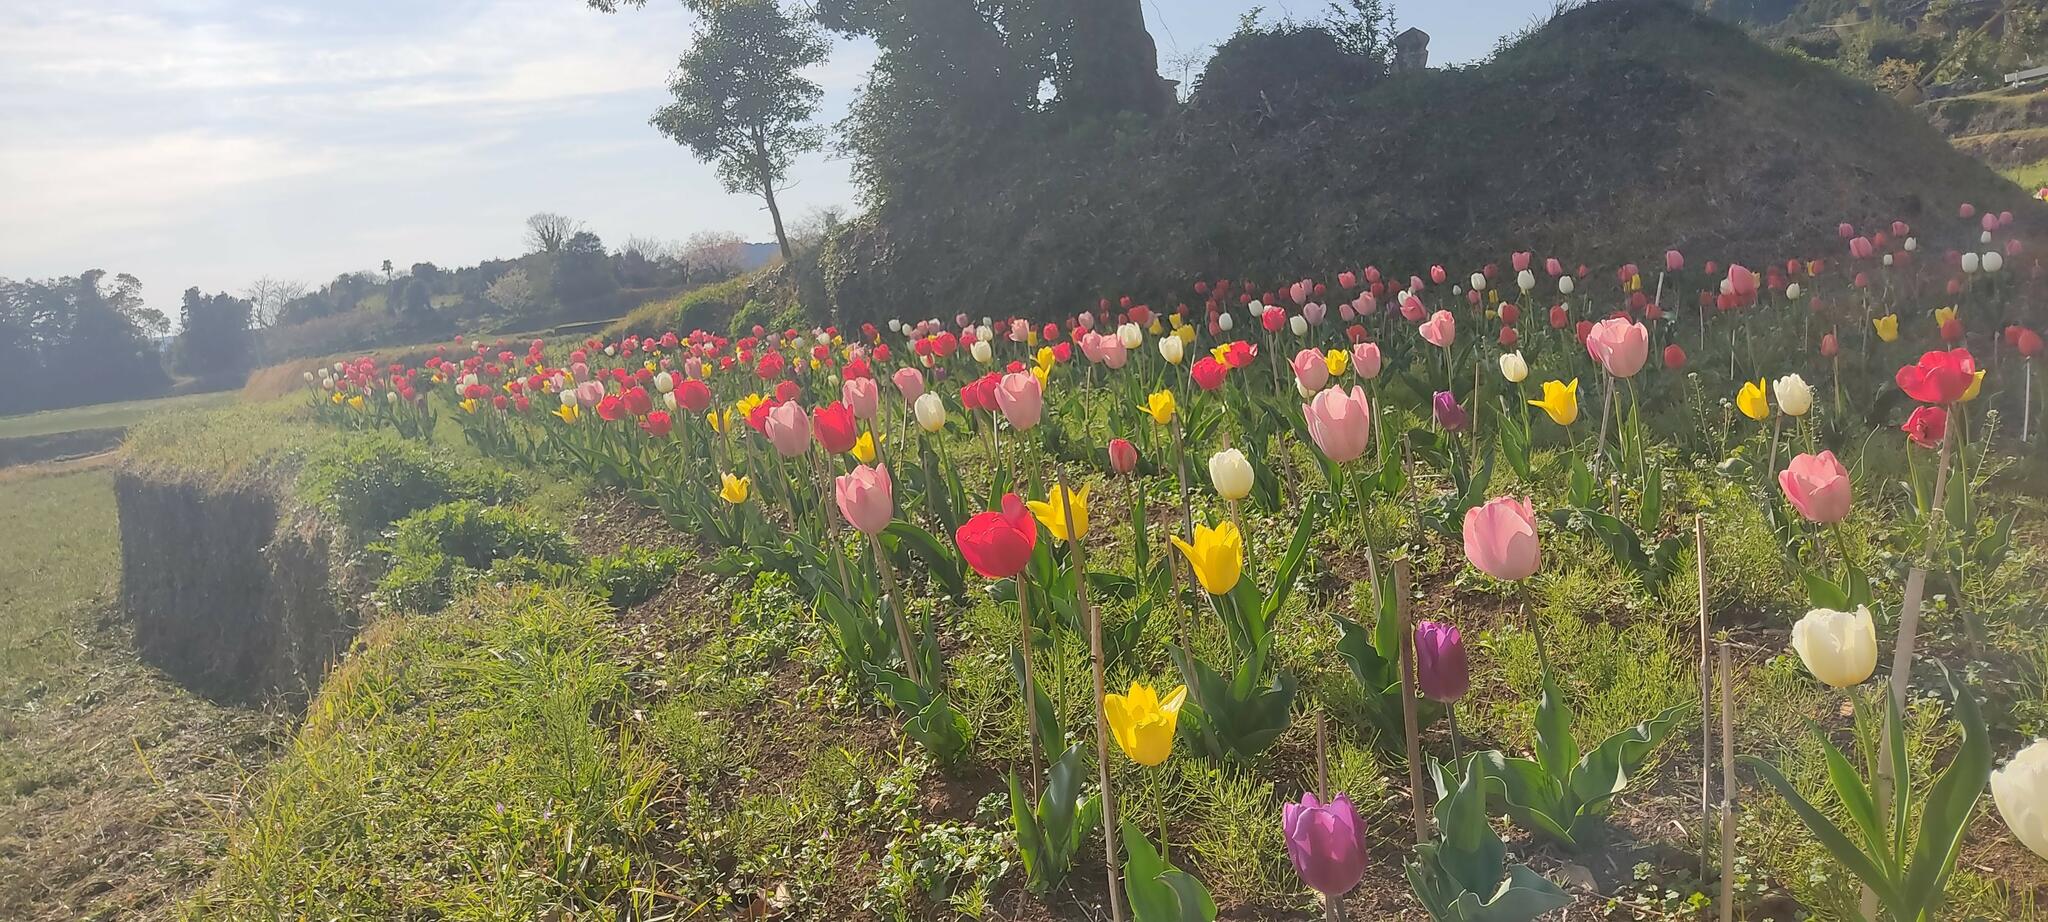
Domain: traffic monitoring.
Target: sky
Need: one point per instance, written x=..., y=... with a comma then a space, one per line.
x=213, y=142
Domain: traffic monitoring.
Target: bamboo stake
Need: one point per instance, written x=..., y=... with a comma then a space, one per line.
x=1410, y=722
x=1727, y=788
x=1094, y=625
x=1699, y=544
x=1909, y=626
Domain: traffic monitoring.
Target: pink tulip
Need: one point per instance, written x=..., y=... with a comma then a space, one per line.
x=1818, y=486
x=1620, y=345
x=1365, y=360
x=1340, y=423
x=1113, y=352
x=1314, y=312
x=588, y=393
x=866, y=498
x=1021, y=399
x=909, y=382
x=1440, y=329
x=788, y=428
x=1500, y=538
x=1519, y=259
x=862, y=395
x=1311, y=370
x=1673, y=260
x=1298, y=292
x=1123, y=456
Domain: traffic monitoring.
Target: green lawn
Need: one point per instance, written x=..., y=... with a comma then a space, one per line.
x=59, y=551
x=103, y=415
x=2030, y=177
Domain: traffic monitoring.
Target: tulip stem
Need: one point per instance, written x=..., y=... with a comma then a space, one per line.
x=910, y=657
x=1030, y=683
x=1451, y=716
x=1410, y=721
x=1089, y=618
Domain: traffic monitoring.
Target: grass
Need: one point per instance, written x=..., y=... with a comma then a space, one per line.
x=59, y=554
x=2031, y=176
x=105, y=415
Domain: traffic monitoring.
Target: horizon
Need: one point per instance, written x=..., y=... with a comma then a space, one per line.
x=198, y=143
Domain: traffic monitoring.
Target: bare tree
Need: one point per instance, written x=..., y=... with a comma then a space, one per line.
x=269, y=296
x=810, y=231
x=547, y=231
x=714, y=254
x=652, y=249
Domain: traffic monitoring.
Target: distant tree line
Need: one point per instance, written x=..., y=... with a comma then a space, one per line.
x=77, y=340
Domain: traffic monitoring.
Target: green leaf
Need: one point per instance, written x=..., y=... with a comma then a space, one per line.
x=1556, y=751
x=1157, y=891
x=1823, y=593
x=1290, y=562
x=1652, y=513
x=904, y=539
x=1857, y=801
x=1050, y=737
x=1606, y=771
x=1831, y=836
x=1946, y=813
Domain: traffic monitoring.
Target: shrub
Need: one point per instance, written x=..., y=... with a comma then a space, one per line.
x=631, y=576
x=441, y=551
x=370, y=482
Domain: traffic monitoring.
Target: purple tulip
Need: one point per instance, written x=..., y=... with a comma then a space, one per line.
x=1449, y=414
x=1326, y=843
x=1440, y=665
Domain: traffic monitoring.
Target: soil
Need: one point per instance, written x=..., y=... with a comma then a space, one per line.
x=120, y=784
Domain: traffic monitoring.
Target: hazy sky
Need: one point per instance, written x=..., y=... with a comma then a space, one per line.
x=209, y=142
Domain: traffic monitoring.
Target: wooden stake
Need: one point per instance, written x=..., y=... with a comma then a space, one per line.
x=1699, y=543
x=1727, y=788
x=1089, y=618
x=1410, y=722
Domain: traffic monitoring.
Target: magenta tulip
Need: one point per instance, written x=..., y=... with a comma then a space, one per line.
x=1449, y=414
x=1440, y=664
x=1326, y=842
x=1500, y=538
x=1340, y=423
x=866, y=497
x=1818, y=486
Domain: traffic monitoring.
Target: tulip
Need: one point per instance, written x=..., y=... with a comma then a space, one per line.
x=1231, y=474
x=982, y=352
x=1053, y=512
x=1620, y=345
x=1130, y=336
x=1976, y=386
x=998, y=543
x=1795, y=396
x=1513, y=367
x=1441, y=668
x=1440, y=329
x=866, y=498
x=834, y=427
x=1500, y=538
x=1021, y=398
x=1449, y=414
x=1310, y=370
x=1365, y=360
x=1752, y=402
x=862, y=396
x=1927, y=426
x=1818, y=486
x=863, y=449
x=1217, y=556
x=1338, y=361
x=734, y=490
x=1674, y=357
x=2020, y=790
x=909, y=382
x=1887, y=327
x=693, y=395
x=1160, y=406
x=1143, y=723
x=1560, y=400
x=788, y=428
x=1208, y=372
x=1123, y=456
x=930, y=411
x=1939, y=377
x=1326, y=842
x=1838, y=647
x=1339, y=423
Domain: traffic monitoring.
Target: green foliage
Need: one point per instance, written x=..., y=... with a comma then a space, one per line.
x=1049, y=834
x=76, y=340
x=631, y=576
x=368, y=482
x=438, y=551
x=1158, y=891
x=1462, y=875
x=213, y=338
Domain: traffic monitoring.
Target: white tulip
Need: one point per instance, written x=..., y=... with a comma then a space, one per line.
x=1912, y=243
x=1793, y=291
x=611, y=350
x=339, y=367
x=1231, y=474
x=1172, y=349
x=985, y=333
x=982, y=351
x=895, y=325
x=1224, y=322
x=391, y=397
x=2020, y=789
x=931, y=412
x=665, y=382
x=1525, y=280
x=1971, y=262
x=1298, y=325
x=1513, y=367
x=1130, y=335
x=1838, y=647
x=568, y=398
x=1565, y=284
x=307, y=375
x=668, y=399
x=1727, y=287
x=470, y=380
x=1255, y=309
x=1887, y=260
x=1795, y=396
x=1984, y=237
x=327, y=384
x=1994, y=261
x=1478, y=281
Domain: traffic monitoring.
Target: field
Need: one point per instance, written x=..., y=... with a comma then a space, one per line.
x=103, y=416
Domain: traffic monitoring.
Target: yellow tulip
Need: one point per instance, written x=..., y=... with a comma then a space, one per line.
x=745, y=406
x=1887, y=327
x=734, y=490
x=1154, y=327
x=1142, y=723
x=567, y=412
x=1752, y=400
x=1053, y=512
x=1217, y=556
x=1560, y=400
x=1220, y=353
x=1338, y=360
x=718, y=420
x=1047, y=358
x=1186, y=334
x=864, y=448
x=356, y=402
x=1976, y=385
x=336, y=398
x=1161, y=406
x=1942, y=315
x=468, y=405
x=1042, y=373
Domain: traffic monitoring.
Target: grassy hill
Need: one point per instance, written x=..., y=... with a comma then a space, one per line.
x=1613, y=131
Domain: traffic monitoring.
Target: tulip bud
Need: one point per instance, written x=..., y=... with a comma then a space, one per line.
x=1441, y=668
x=1123, y=456
x=1231, y=474
x=1993, y=261
x=1674, y=357
x=1565, y=285
x=1225, y=322
x=1478, y=282
x=1172, y=349
x=1795, y=396
x=931, y=412
x=2020, y=789
x=1513, y=367
x=1525, y=280
x=1838, y=647
x=1793, y=291
x=1297, y=325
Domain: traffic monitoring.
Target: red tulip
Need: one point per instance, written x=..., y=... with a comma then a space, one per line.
x=657, y=424
x=693, y=395
x=1123, y=456
x=834, y=427
x=638, y=401
x=1208, y=373
x=1829, y=347
x=1558, y=317
x=2027, y=342
x=1509, y=338
x=998, y=544
x=1952, y=331
x=1927, y=426
x=611, y=408
x=1939, y=377
x=1674, y=357
x=1673, y=260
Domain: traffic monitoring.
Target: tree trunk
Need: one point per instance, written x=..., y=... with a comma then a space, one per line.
x=764, y=170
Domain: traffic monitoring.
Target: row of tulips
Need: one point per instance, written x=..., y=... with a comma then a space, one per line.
x=791, y=450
